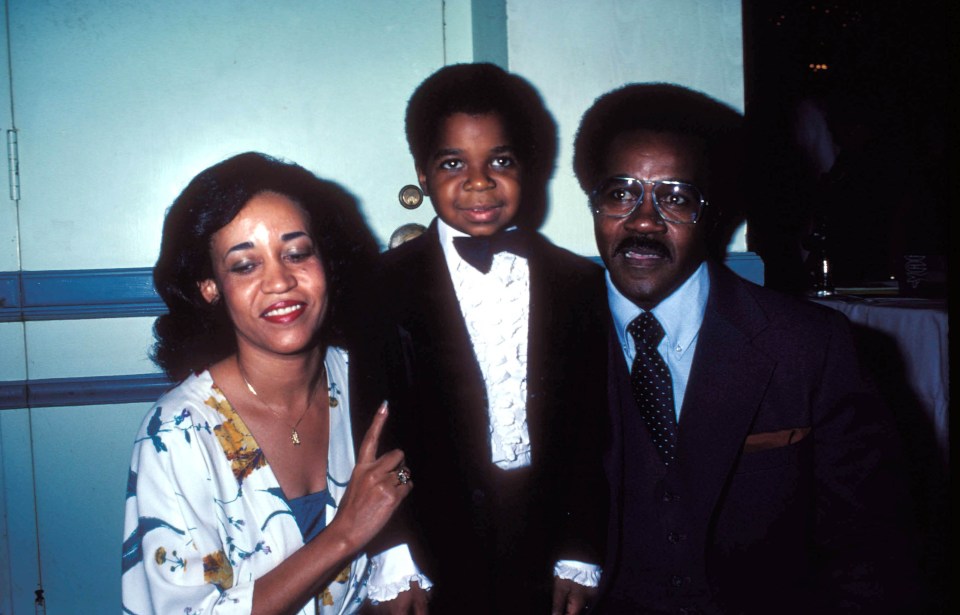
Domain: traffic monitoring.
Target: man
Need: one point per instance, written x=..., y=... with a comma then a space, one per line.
x=752, y=470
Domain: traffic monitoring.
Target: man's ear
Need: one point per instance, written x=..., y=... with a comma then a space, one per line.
x=209, y=290
x=422, y=180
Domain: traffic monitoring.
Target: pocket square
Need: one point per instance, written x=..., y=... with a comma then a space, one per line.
x=774, y=439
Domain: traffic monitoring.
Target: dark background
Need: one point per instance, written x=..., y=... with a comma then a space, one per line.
x=882, y=70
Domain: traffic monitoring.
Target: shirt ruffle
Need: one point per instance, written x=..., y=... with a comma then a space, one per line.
x=496, y=309
x=391, y=573
x=587, y=575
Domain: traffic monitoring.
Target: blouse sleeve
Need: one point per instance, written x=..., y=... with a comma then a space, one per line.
x=174, y=559
x=392, y=572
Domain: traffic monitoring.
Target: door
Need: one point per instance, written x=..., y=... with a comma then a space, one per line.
x=117, y=105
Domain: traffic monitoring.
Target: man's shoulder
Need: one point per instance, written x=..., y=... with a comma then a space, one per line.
x=732, y=294
x=552, y=257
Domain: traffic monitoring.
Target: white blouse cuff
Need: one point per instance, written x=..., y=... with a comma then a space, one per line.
x=392, y=572
x=587, y=575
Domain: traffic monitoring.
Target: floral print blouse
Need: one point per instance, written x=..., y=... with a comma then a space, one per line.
x=205, y=515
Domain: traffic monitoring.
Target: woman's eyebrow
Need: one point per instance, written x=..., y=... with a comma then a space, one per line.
x=292, y=235
x=246, y=245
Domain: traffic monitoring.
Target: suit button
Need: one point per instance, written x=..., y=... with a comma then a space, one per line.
x=676, y=580
x=670, y=497
x=675, y=537
x=478, y=497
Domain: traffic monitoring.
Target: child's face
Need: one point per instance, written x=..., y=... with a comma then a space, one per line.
x=473, y=176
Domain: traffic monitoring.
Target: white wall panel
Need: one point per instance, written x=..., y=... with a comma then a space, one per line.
x=121, y=103
x=79, y=348
x=574, y=51
x=20, y=563
x=12, y=363
x=83, y=457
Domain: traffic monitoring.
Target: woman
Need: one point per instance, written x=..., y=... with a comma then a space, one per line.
x=243, y=493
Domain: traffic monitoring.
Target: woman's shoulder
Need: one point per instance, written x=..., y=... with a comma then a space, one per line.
x=187, y=402
x=337, y=356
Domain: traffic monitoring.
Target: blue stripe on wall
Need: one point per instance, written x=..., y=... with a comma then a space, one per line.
x=13, y=395
x=70, y=295
x=90, y=391
x=120, y=293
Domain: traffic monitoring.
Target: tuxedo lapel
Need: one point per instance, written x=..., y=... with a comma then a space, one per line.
x=728, y=380
x=442, y=340
x=540, y=347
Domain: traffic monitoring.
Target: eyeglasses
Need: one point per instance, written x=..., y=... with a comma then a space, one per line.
x=677, y=202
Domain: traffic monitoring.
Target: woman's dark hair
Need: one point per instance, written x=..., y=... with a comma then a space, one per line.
x=479, y=89
x=669, y=108
x=194, y=333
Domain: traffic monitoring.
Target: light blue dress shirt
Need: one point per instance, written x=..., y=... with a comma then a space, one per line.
x=680, y=315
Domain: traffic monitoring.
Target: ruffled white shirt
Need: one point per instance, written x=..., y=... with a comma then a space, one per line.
x=496, y=309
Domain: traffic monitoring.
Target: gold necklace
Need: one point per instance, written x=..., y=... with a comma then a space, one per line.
x=294, y=434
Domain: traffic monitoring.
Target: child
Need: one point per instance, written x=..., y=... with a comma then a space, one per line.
x=494, y=359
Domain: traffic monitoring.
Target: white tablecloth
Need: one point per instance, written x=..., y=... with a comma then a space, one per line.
x=919, y=327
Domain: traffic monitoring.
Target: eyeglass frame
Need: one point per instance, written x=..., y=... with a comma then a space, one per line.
x=653, y=197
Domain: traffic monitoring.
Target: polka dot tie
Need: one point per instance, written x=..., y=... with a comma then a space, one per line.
x=653, y=387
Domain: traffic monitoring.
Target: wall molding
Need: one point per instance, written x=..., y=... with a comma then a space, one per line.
x=78, y=294
x=123, y=293
x=88, y=391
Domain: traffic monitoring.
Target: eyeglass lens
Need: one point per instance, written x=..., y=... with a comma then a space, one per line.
x=677, y=201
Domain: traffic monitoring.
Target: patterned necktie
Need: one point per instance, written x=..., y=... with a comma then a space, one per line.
x=653, y=387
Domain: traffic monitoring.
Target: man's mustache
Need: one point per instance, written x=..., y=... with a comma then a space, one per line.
x=642, y=244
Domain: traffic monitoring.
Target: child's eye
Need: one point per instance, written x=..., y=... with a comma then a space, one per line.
x=504, y=162
x=450, y=164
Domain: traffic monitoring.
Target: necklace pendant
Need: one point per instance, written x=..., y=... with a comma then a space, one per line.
x=295, y=437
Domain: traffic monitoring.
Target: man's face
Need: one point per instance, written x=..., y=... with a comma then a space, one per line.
x=649, y=258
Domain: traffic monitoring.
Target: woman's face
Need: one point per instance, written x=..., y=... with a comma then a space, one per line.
x=268, y=273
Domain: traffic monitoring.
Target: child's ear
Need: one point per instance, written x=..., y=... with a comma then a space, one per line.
x=209, y=290
x=422, y=180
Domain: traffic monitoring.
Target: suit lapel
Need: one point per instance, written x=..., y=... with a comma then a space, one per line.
x=728, y=380
x=539, y=344
x=444, y=334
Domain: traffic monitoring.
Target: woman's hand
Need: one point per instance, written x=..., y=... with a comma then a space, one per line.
x=375, y=489
x=374, y=493
x=410, y=602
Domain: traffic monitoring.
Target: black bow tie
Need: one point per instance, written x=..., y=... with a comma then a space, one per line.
x=479, y=251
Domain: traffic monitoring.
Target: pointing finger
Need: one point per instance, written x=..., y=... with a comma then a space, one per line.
x=371, y=441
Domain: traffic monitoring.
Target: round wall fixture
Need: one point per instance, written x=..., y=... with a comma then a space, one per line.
x=411, y=196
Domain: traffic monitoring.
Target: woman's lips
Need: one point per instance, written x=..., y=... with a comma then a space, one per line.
x=284, y=311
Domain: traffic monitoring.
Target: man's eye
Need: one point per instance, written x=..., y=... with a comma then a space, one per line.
x=622, y=194
x=451, y=164
x=504, y=162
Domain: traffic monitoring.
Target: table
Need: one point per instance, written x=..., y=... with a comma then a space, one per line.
x=903, y=342
x=918, y=331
